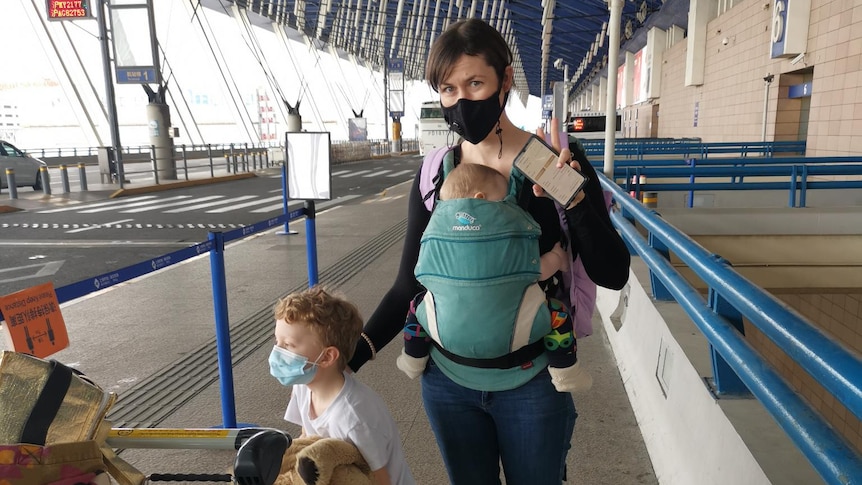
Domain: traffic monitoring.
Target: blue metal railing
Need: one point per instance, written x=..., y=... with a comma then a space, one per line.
x=836, y=369
x=685, y=147
x=796, y=177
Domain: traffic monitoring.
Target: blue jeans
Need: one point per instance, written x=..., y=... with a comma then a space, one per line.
x=529, y=429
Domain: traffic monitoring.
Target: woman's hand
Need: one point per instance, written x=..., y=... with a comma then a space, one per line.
x=565, y=157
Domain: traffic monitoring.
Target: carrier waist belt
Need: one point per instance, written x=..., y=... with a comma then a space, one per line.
x=514, y=359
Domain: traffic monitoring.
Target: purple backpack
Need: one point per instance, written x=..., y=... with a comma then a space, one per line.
x=576, y=290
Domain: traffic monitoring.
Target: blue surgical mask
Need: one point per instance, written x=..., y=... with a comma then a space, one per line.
x=290, y=368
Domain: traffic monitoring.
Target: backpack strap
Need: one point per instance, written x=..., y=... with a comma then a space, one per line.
x=431, y=175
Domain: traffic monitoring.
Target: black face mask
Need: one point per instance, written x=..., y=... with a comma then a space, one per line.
x=474, y=120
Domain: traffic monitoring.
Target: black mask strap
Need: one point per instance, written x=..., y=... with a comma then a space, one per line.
x=499, y=132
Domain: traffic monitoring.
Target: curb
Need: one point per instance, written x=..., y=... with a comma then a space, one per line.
x=176, y=185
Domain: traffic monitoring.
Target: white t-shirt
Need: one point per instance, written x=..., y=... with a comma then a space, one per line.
x=357, y=415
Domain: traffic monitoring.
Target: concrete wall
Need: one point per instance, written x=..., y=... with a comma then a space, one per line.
x=688, y=435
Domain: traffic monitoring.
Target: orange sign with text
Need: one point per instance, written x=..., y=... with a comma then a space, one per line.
x=34, y=322
x=68, y=9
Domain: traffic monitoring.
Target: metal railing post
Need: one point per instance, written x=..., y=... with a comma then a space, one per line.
x=82, y=176
x=153, y=163
x=222, y=331
x=10, y=179
x=210, y=156
x=64, y=179
x=726, y=380
x=185, y=162
x=311, y=242
x=245, y=158
x=46, y=180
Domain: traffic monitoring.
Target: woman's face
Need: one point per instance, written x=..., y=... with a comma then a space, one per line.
x=471, y=78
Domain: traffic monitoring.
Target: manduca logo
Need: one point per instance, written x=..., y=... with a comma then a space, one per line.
x=466, y=222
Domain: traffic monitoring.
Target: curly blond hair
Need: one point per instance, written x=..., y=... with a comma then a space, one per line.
x=335, y=321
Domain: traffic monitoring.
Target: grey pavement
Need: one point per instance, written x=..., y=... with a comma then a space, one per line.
x=155, y=333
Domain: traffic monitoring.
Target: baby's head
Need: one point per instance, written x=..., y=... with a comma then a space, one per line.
x=472, y=180
x=310, y=321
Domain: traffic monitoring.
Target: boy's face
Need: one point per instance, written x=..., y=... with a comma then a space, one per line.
x=299, y=339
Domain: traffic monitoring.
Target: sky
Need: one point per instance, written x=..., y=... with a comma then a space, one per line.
x=57, y=99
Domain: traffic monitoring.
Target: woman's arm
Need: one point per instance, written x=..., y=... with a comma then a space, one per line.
x=387, y=321
x=603, y=252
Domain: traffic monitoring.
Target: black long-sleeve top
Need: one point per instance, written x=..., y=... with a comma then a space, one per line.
x=591, y=233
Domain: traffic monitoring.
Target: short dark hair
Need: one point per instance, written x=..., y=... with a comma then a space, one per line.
x=472, y=37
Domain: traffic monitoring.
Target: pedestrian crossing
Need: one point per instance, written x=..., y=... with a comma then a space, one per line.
x=156, y=204
x=269, y=203
x=210, y=204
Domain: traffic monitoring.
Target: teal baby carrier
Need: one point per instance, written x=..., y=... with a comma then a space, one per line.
x=483, y=308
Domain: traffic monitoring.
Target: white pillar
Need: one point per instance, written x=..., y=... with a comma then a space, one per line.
x=700, y=12
x=616, y=8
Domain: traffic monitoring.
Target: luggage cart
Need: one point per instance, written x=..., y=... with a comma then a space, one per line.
x=259, y=451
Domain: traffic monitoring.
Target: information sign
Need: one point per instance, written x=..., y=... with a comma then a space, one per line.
x=33, y=321
x=68, y=9
x=137, y=75
x=396, y=88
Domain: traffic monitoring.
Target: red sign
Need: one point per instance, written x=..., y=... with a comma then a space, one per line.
x=68, y=9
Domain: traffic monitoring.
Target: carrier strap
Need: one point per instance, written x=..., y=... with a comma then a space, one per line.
x=514, y=359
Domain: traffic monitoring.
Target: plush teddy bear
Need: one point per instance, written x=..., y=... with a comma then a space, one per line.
x=313, y=460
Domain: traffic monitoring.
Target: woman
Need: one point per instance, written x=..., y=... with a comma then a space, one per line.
x=527, y=425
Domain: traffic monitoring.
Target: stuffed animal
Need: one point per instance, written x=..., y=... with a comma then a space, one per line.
x=313, y=460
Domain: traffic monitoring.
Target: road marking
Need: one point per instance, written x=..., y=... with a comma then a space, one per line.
x=210, y=204
x=242, y=206
x=354, y=174
x=377, y=173
x=400, y=173
x=87, y=244
x=100, y=204
x=98, y=226
x=317, y=207
x=45, y=269
x=340, y=172
x=172, y=204
x=133, y=204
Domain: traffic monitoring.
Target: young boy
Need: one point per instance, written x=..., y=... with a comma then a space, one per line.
x=481, y=182
x=315, y=335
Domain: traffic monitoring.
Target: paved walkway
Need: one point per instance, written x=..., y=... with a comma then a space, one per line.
x=152, y=341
